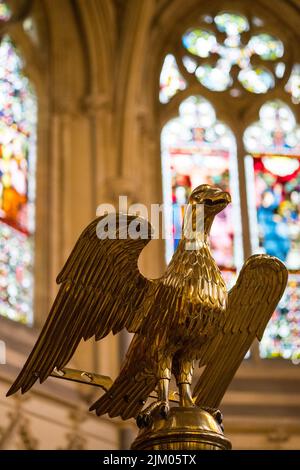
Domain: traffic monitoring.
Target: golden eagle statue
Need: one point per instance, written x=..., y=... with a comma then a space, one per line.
x=183, y=317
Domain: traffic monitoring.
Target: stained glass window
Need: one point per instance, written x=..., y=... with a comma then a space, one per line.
x=229, y=51
x=273, y=171
x=171, y=80
x=197, y=148
x=216, y=74
x=18, y=115
x=5, y=12
x=293, y=85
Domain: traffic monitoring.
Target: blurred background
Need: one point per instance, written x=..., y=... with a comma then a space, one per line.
x=148, y=99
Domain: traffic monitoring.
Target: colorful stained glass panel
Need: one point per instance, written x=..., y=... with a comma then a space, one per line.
x=258, y=80
x=199, y=42
x=214, y=78
x=197, y=149
x=171, y=80
x=16, y=276
x=282, y=338
x=18, y=114
x=277, y=183
x=266, y=46
x=231, y=23
x=215, y=75
x=273, y=171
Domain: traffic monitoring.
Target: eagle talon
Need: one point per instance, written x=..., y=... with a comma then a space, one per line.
x=164, y=410
x=140, y=421
x=147, y=421
x=145, y=418
x=216, y=414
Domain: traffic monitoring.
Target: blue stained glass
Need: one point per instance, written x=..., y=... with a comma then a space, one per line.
x=273, y=171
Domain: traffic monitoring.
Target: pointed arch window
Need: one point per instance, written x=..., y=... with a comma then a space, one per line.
x=239, y=58
x=197, y=148
x=18, y=120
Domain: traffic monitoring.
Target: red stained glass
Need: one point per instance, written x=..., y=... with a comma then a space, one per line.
x=198, y=149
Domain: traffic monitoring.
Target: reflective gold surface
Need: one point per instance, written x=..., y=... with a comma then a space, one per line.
x=184, y=429
x=74, y=375
x=97, y=380
x=184, y=318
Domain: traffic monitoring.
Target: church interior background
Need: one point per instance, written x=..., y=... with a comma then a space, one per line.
x=146, y=99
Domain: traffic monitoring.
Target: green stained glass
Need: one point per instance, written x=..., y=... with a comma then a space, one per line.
x=258, y=80
x=214, y=78
x=197, y=149
x=16, y=274
x=18, y=114
x=215, y=75
x=231, y=23
x=266, y=46
x=282, y=338
x=199, y=42
x=273, y=185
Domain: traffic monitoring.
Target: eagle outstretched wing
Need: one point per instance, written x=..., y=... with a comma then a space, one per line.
x=101, y=290
x=251, y=303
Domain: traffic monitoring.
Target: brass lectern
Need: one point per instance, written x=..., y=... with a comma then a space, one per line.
x=184, y=318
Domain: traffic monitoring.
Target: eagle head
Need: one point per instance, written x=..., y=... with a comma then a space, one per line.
x=213, y=199
x=204, y=203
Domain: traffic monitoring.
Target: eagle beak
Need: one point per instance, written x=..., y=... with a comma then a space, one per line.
x=210, y=197
x=218, y=199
